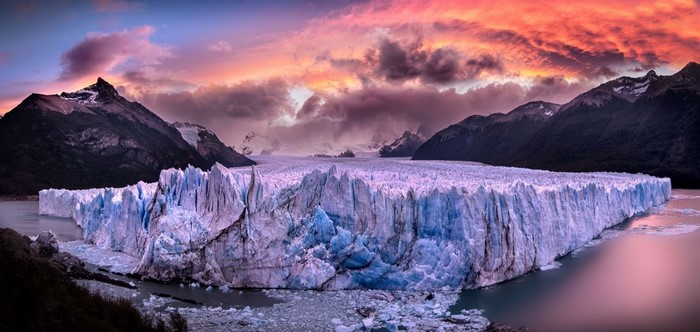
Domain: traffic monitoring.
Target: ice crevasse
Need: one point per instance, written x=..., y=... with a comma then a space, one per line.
x=391, y=224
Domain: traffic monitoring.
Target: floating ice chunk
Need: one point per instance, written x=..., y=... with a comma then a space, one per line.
x=551, y=266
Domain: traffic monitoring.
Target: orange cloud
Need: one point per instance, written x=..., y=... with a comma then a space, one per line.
x=576, y=40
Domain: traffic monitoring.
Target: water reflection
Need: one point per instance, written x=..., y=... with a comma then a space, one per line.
x=23, y=217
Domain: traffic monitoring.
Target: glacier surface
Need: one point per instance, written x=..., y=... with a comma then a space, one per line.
x=311, y=223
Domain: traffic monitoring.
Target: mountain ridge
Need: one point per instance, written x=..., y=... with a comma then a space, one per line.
x=648, y=124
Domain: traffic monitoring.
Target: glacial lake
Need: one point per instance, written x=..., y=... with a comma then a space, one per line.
x=643, y=274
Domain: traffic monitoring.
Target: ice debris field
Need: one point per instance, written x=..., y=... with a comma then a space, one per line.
x=315, y=223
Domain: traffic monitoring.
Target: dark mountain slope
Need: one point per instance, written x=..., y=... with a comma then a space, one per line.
x=404, y=146
x=487, y=139
x=89, y=138
x=649, y=124
x=658, y=133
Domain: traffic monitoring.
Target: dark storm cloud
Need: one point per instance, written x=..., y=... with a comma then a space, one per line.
x=396, y=61
x=443, y=66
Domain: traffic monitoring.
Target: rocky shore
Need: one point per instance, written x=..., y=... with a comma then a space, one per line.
x=301, y=310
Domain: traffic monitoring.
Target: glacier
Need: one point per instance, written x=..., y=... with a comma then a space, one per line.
x=317, y=223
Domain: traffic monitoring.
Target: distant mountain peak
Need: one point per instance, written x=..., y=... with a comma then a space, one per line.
x=404, y=146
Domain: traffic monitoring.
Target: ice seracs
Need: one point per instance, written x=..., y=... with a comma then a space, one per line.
x=355, y=223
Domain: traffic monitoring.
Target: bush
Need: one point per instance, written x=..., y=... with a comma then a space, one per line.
x=37, y=296
x=347, y=154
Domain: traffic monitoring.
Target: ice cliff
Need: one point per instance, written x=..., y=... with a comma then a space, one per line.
x=332, y=224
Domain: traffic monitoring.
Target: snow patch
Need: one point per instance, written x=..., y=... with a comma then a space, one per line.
x=83, y=96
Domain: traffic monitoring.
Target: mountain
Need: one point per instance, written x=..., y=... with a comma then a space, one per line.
x=649, y=124
x=209, y=146
x=255, y=143
x=404, y=146
x=89, y=138
x=488, y=139
x=382, y=136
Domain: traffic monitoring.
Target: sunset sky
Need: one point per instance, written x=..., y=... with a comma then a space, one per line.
x=336, y=72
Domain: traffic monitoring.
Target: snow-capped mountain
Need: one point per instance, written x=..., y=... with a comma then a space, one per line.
x=209, y=146
x=404, y=146
x=382, y=136
x=487, y=138
x=89, y=138
x=626, y=88
x=254, y=144
x=647, y=124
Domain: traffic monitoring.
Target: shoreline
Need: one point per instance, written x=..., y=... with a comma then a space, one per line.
x=11, y=198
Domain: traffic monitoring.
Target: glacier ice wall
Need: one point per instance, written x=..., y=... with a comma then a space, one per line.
x=355, y=224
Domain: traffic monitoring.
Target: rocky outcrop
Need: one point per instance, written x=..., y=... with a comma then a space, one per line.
x=46, y=244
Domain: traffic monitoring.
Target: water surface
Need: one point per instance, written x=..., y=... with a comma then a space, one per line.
x=23, y=216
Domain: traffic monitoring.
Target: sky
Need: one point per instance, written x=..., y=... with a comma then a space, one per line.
x=337, y=72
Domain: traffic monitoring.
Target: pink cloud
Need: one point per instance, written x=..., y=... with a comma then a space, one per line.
x=100, y=52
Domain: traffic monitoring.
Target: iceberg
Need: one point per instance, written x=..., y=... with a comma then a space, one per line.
x=305, y=223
